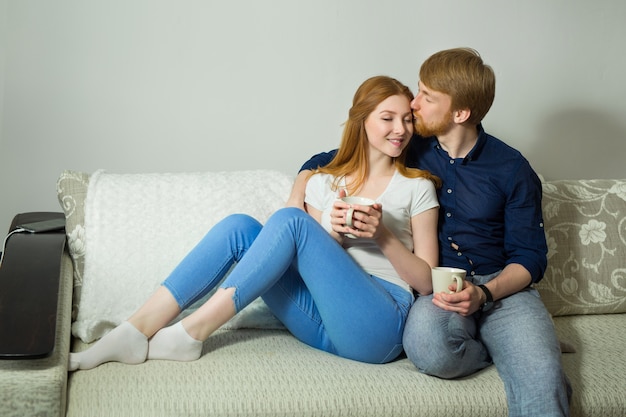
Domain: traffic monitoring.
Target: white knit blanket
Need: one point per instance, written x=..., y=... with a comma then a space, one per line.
x=139, y=226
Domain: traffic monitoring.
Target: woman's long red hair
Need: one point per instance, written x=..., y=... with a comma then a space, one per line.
x=352, y=156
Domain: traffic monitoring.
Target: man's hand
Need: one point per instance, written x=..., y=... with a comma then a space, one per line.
x=465, y=302
x=513, y=278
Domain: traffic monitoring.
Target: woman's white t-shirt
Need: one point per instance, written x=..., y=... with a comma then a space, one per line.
x=402, y=199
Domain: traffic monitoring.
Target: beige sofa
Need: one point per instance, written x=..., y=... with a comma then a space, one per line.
x=120, y=224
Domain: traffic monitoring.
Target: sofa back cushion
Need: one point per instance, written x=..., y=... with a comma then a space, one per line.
x=138, y=226
x=585, y=226
x=127, y=232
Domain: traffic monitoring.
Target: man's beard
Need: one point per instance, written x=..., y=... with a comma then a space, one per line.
x=438, y=128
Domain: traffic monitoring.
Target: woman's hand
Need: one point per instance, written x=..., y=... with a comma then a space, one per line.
x=366, y=220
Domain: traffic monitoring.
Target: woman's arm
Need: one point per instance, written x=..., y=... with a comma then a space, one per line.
x=414, y=267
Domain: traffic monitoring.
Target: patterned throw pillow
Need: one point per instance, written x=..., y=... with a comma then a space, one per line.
x=585, y=226
x=71, y=191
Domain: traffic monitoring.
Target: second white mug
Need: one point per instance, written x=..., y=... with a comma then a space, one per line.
x=444, y=276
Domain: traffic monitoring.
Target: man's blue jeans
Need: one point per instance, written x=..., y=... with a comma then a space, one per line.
x=306, y=278
x=517, y=334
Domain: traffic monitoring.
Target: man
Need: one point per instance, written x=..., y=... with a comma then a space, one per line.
x=491, y=225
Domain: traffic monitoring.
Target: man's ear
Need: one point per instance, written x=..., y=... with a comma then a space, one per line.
x=461, y=116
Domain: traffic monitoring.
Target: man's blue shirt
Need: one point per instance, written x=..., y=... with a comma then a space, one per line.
x=490, y=205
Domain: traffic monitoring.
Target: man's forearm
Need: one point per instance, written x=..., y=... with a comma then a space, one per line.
x=512, y=279
x=296, y=198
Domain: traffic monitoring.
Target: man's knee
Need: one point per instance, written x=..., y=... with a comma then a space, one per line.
x=428, y=349
x=440, y=343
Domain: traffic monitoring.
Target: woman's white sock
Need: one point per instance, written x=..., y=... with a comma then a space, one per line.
x=175, y=344
x=123, y=344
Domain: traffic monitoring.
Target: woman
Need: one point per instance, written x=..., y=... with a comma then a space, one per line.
x=349, y=297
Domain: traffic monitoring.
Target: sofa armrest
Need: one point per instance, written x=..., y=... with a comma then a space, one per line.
x=29, y=290
x=38, y=386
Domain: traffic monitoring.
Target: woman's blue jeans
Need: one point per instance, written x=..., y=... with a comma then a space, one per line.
x=517, y=335
x=305, y=277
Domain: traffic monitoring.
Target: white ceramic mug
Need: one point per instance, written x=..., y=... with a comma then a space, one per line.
x=361, y=201
x=444, y=276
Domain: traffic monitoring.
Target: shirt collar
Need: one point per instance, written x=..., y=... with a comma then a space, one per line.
x=474, y=153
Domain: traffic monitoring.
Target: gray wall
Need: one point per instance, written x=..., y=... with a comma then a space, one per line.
x=166, y=86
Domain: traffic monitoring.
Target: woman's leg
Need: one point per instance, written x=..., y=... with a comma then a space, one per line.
x=198, y=273
x=183, y=340
x=315, y=288
x=349, y=323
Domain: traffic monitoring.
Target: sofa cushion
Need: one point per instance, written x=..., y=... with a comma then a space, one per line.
x=253, y=372
x=270, y=373
x=585, y=226
x=137, y=228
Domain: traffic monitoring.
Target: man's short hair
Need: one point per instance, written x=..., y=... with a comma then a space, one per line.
x=461, y=74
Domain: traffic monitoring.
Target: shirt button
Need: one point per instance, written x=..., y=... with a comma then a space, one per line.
x=449, y=190
x=472, y=273
x=459, y=254
x=450, y=238
x=452, y=162
x=448, y=214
